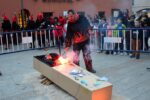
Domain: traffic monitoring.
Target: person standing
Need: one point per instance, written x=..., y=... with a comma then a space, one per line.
x=15, y=27
x=31, y=26
x=78, y=36
x=40, y=25
x=103, y=33
x=119, y=33
x=137, y=38
x=6, y=27
x=59, y=34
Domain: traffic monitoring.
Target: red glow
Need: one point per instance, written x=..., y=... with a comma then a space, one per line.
x=48, y=57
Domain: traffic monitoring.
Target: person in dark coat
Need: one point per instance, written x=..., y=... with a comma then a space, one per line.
x=6, y=28
x=15, y=25
x=31, y=26
x=15, y=29
x=40, y=24
x=78, y=36
x=137, y=38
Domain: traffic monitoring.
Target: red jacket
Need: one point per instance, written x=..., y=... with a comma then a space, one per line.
x=59, y=31
x=62, y=20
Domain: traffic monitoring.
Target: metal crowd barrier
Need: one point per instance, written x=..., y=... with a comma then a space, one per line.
x=26, y=40
x=109, y=40
x=100, y=40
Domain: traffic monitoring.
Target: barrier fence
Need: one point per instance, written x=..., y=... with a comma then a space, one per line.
x=114, y=40
x=26, y=40
x=121, y=40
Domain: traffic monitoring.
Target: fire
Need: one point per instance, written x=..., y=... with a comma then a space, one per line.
x=48, y=57
x=62, y=60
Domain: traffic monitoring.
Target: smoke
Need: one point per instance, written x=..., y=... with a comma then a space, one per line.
x=70, y=55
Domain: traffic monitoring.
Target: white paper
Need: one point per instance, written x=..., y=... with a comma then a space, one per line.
x=112, y=39
x=26, y=40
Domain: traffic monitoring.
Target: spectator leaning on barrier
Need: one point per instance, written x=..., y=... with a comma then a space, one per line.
x=6, y=27
x=52, y=22
x=59, y=34
x=109, y=46
x=102, y=32
x=16, y=27
x=128, y=33
x=62, y=21
x=31, y=23
x=137, y=38
x=77, y=32
x=40, y=24
x=31, y=26
x=120, y=33
x=145, y=24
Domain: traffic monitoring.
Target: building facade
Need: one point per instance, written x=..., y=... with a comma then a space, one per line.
x=57, y=7
x=90, y=7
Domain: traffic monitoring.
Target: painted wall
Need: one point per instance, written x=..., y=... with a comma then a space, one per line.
x=8, y=7
x=91, y=7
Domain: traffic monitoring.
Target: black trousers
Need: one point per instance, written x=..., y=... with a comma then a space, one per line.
x=85, y=48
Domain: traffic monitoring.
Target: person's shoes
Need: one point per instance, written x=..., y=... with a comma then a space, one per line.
x=121, y=54
x=115, y=53
x=107, y=52
x=0, y=74
x=125, y=53
x=138, y=57
x=98, y=51
x=112, y=52
x=45, y=49
x=92, y=71
x=148, y=68
x=132, y=56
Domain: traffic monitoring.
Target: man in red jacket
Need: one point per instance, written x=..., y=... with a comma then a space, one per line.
x=78, y=35
x=59, y=34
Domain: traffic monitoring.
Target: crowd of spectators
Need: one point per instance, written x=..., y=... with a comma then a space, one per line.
x=134, y=39
x=134, y=32
x=40, y=23
x=122, y=22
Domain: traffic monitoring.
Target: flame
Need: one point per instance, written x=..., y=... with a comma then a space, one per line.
x=62, y=60
x=48, y=57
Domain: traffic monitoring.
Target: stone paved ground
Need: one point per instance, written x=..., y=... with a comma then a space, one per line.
x=21, y=82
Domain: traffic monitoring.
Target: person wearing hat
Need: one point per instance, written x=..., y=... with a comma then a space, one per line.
x=6, y=27
x=16, y=27
x=78, y=36
x=31, y=27
x=40, y=24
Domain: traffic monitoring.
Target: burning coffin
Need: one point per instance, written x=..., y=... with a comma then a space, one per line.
x=75, y=80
